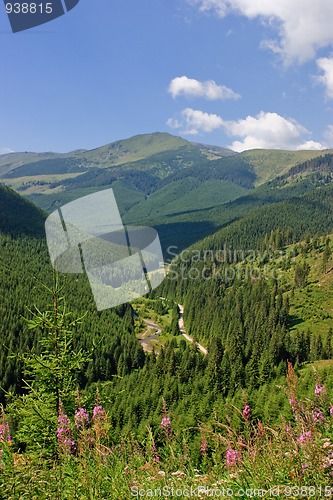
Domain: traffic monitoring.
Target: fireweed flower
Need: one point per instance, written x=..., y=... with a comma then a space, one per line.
x=318, y=417
x=320, y=391
x=331, y=411
x=305, y=438
x=4, y=433
x=64, y=434
x=166, y=425
x=232, y=457
x=293, y=403
x=81, y=418
x=203, y=447
x=98, y=413
x=246, y=412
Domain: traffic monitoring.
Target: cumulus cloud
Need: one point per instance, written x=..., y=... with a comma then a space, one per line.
x=325, y=64
x=318, y=146
x=303, y=26
x=193, y=121
x=264, y=131
x=189, y=87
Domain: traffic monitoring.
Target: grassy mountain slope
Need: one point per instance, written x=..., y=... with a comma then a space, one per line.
x=117, y=153
x=266, y=163
x=213, y=152
x=133, y=149
x=269, y=163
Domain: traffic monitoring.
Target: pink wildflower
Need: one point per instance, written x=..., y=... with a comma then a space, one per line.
x=203, y=447
x=81, y=418
x=305, y=438
x=64, y=434
x=246, y=412
x=320, y=391
x=4, y=433
x=232, y=457
x=166, y=425
x=318, y=417
x=293, y=403
x=331, y=411
x=99, y=413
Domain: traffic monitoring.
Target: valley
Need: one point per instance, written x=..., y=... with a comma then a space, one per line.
x=234, y=348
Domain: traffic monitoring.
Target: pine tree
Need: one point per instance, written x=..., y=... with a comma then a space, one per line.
x=50, y=377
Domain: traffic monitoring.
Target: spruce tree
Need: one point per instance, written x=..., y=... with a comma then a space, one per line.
x=50, y=377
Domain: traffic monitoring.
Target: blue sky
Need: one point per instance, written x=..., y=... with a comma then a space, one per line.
x=235, y=73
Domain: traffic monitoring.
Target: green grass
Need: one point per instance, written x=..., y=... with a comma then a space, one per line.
x=32, y=184
x=269, y=163
x=144, y=308
x=134, y=149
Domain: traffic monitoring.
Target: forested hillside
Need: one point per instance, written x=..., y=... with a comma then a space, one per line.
x=25, y=270
x=81, y=397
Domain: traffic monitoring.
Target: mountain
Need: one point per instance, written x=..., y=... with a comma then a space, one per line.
x=119, y=152
x=186, y=190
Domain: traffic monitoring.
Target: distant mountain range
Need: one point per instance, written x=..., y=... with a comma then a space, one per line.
x=185, y=189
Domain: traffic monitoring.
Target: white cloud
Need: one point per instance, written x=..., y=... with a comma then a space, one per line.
x=325, y=64
x=5, y=151
x=303, y=26
x=220, y=7
x=318, y=146
x=193, y=121
x=189, y=87
x=264, y=131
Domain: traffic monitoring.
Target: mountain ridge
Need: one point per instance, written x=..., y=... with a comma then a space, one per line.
x=186, y=189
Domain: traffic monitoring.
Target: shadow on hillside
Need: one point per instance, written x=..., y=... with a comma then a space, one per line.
x=176, y=236
x=294, y=320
